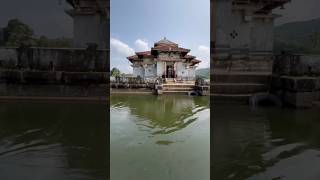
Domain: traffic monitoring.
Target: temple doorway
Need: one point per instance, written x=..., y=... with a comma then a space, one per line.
x=170, y=71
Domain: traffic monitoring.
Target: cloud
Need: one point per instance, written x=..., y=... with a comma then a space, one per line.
x=141, y=45
x=118, y=55
x=120, y=48
x=203, y=54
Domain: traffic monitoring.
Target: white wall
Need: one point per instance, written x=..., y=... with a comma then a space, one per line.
x=182, y=71
x=138, y=71
x=191, y=72
x=150, y=70
x=160, y=69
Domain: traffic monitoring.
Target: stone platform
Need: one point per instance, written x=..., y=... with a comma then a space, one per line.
x=297, y=91
x=238, y=86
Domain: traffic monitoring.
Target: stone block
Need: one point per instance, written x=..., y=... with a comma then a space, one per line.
x=84, y=77
x=299, y=84
x=40, y=77
x=300, y=99
x=318, y=84
x=276, y=83
x=11, y=76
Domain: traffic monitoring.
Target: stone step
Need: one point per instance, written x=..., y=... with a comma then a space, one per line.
x=177, y=86
x=230, y=98
x=239, y=88
x=178, y=89
x=263, y=78
x=176, y=92
x=316, y=104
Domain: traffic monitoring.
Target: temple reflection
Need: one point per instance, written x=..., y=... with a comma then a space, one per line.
x=162, y=114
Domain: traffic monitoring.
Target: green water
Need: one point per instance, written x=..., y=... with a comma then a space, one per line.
x=159, y=137
x=53, y=141
x=266, y=143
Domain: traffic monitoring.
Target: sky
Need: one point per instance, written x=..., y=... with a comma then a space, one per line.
x=46, y=17
x=137, y=25
x=298, y=10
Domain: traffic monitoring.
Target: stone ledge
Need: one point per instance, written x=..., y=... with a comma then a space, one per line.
x=299, y=84
x=52, y=77
x=300, y=99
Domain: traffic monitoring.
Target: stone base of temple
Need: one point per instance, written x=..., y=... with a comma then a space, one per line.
x=239, y=87
x=237, y=77
x=300, y=92
x=178, y=81
x=296, y=80
x=261, y=64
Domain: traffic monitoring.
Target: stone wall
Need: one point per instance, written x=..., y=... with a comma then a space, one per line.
x=296, y=79
x=54, y=72
x=297, y=65
x=238, y=27
x=245, y=42
x=243, y=62
x=131, y=83
x=58, y=59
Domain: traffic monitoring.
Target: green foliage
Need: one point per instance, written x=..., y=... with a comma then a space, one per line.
x=203, y=73
x=115, y=72
x=17, y=33
x=298, y=37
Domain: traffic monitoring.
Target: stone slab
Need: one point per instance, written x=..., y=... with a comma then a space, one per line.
x=299, y=84
x=300, y=99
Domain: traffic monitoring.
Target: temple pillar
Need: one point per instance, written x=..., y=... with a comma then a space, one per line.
x=89, y=23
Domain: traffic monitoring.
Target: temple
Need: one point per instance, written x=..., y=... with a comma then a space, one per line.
x=166, y=60
x=90, y=22
x=243, y=34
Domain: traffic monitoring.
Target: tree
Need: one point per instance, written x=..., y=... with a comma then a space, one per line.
x=115, y=72
x=17, y=33
x=42, y=42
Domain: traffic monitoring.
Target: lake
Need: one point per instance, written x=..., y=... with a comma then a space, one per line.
x=159, y=137
x=56, y=140
x=266, y=143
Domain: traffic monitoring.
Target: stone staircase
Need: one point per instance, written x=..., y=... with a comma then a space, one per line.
x=177, y=88
x=238, y=86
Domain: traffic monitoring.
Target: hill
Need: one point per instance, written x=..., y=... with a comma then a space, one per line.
x=298, y=37
x=203, y=73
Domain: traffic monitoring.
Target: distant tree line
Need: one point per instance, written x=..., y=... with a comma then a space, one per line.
x=301, y=37
x=16, y=33
x=115, y=72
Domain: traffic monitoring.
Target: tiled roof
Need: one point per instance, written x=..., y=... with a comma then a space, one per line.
x=195, y=61
x=165, y=41
x=166, y=46
x=168, y=59
x=189, y=57
x=169, y=48
x=144, y=53
x=137, y=58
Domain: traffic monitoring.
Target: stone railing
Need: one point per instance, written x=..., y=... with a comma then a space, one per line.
x=297, y=65
x=55, y=72
x=54, y=59
x=131, y=82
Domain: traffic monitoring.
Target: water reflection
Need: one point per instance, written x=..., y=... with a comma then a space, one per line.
x=162, y=114
x=267, y=143
x=159, y=137
x=53, y=140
